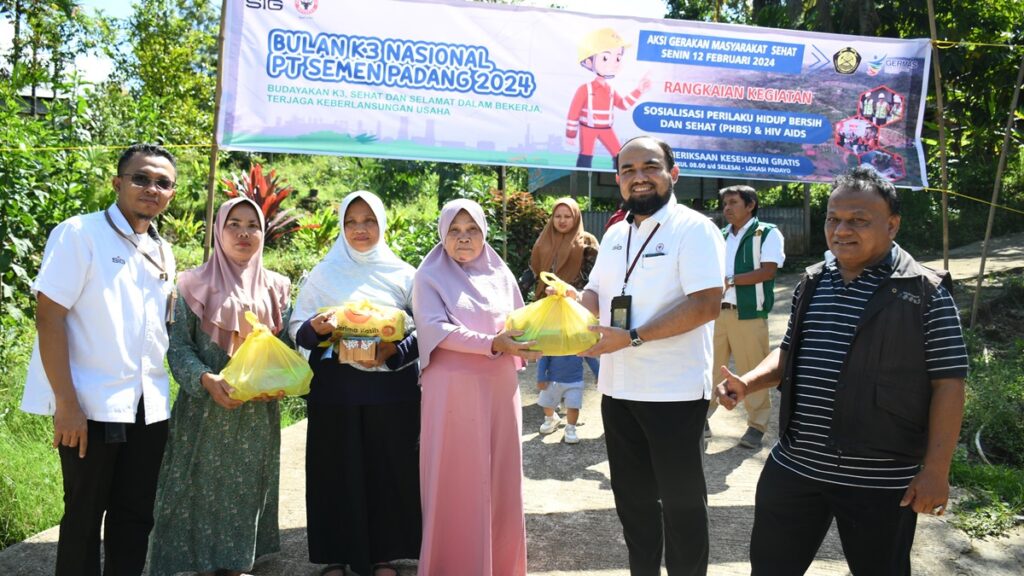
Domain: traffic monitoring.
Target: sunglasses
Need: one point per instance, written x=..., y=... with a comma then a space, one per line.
x=143, y=181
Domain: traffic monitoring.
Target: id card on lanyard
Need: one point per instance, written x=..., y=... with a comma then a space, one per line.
x=172, y=297
x=622, y=304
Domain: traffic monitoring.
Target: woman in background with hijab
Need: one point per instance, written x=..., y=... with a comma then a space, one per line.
x=471, y=461
x=566, y=250
x=216, y=504
x=362, y=475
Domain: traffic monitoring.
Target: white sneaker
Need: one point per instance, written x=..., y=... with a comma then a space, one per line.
x=551, y=423
x=570, y=435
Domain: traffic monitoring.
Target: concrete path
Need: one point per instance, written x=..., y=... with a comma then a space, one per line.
x=572, y=528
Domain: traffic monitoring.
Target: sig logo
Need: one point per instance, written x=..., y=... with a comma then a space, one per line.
x=307, y=7
x=265, y=4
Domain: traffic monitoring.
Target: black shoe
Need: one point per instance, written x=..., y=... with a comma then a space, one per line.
x=752, y=438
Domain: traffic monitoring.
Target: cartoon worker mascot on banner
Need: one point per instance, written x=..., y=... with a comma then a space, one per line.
x=592, y=110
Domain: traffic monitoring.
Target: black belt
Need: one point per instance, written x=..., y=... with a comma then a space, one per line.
x=728, y=306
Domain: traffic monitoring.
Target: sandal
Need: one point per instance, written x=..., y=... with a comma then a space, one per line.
x=386, y=566
x=332, y=567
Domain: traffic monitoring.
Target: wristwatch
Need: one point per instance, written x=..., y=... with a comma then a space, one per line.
x=730, y=280
x=634, y=338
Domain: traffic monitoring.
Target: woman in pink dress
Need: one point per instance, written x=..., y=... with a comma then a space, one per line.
x=471, y=461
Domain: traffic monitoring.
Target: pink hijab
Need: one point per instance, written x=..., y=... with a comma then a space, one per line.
x=220, y=291
x=449, y=296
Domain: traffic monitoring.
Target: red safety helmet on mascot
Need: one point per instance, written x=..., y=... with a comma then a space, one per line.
x=598, y=41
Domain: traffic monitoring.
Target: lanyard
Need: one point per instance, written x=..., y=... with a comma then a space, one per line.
x=163, y=263
x=629, y=241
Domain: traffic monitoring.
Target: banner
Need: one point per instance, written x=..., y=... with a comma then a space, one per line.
x=497, y=84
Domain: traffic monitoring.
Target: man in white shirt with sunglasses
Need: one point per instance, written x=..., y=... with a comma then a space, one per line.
x=105, y=294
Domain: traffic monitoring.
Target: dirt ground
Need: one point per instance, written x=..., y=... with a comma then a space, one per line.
x=572, y=528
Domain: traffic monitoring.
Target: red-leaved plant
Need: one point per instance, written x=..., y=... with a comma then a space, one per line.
x=268, y=191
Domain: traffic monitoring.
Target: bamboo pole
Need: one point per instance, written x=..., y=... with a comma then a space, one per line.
x=940, y=118
x=504, y=210
x=211, y=181
x=995, y=189
x=807, y=218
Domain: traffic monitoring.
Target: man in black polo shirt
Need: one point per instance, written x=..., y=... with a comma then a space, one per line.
x=872, y=372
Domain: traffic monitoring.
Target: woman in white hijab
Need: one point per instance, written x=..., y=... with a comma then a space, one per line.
x=362, y=456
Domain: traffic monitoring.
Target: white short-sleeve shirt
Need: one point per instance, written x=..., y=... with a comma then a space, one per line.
x=117, y=335
x=772, y=250
x=685, y=255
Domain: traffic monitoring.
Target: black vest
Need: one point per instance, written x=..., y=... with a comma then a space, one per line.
x=883, y=395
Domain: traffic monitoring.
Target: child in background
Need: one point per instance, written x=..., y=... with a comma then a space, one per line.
x=558, y=378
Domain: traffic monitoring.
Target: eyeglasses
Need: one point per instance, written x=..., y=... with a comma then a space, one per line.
x=143, y=181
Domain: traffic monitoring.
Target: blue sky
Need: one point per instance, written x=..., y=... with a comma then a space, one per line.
x=116, y=8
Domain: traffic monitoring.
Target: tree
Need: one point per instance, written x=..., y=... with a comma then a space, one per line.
x=976, y=83
x=165, y=72
x=40, y=188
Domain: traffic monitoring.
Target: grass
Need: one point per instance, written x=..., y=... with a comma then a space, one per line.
x=30, y=485
x=30, y=479
x=994, y=406
x=995, y=496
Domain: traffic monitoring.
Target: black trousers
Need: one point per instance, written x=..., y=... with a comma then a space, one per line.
x=119, y=479
x=363, y=484
x=793, y=513
x=656, y=457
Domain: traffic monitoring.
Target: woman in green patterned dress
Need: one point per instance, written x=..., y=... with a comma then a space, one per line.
x=216, y=505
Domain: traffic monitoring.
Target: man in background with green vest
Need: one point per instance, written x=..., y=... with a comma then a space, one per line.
x=754, y=252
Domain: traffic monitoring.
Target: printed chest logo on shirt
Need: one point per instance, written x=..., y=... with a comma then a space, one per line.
x=908, y=297
x=118, y=260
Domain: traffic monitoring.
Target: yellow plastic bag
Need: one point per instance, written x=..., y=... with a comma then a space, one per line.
x=558, y=324
x=367, y=320
x=265, y=365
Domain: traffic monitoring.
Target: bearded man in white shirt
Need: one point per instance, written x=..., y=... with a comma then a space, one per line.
x=657, y=288
x=104, y=299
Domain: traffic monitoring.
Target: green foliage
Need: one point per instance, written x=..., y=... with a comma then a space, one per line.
x=39, y=189
x=412, y=231
x=977, y=87
x=995, y=497
x=332, y=176
x=293, y=409
x=284, y=260
x=186, y=229
x=995, y=401
x=319, y=231
x=268, y=191
x=292, y=264
x=187, y=256
x=525, y=221
x=983, y=515
x=1005, y=482
x=995, y=408
x=30, y=490
x=166, y=56
x=547, y=203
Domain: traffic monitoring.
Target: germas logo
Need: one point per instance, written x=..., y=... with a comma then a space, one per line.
x=875, y=66
x=307, y=7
